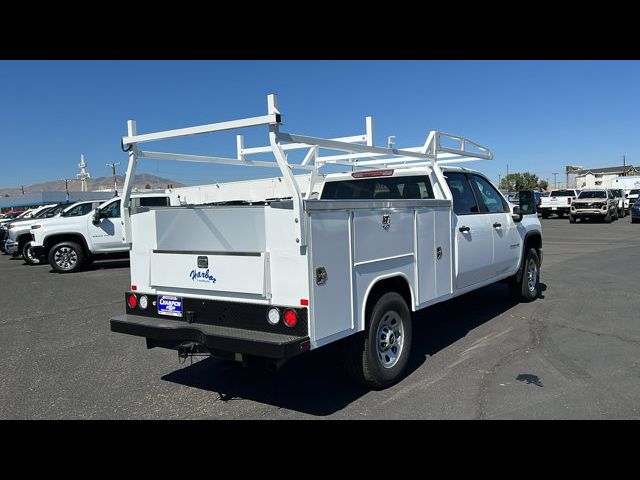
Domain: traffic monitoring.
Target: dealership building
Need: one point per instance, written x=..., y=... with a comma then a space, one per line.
x=602, y=177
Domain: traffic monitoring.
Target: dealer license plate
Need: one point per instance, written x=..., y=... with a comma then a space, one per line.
x=171, y=306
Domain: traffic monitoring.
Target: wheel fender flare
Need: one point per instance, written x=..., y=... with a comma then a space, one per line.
x=526, y=238
x=365, y=299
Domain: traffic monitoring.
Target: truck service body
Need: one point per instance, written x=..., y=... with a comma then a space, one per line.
x=349, y=257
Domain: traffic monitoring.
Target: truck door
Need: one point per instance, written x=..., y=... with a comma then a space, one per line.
x=506, y=239
x=106, y=235
x=472, y=232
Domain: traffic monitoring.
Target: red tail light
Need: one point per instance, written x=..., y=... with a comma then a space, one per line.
x=290, y=318
x=569, y=200
x=132, y=301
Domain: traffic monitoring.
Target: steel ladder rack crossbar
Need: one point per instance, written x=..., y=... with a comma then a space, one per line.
x=358, y=152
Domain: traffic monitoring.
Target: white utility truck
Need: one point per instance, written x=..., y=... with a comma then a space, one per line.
x=71, y=242
x=352, y=256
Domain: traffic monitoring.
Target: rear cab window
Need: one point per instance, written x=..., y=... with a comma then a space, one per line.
x=563, y=193
x=379, y=188
x=159, y=201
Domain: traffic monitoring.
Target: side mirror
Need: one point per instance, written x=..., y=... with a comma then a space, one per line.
x=526, y=205
x=96, y=217
x=516, y=215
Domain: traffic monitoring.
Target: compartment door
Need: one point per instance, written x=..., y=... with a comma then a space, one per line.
x=214, y=273
x=331, y=251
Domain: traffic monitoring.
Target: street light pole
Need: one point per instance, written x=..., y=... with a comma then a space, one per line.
x=115, y=183
x=555, y=181
x=66, y=187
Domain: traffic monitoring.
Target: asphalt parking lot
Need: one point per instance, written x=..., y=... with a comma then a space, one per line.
x=574, y=353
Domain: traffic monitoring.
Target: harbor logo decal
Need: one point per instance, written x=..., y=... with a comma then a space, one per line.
x=202, y=276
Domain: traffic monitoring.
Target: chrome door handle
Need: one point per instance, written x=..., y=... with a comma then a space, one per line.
x=497, y=225
x=464, y=229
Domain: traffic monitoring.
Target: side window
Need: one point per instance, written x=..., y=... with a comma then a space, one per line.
x=488, y=195
x=79, y=210
x=112, y=210
x=464, y=201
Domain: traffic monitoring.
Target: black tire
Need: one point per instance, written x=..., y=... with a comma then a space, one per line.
x=572, y=219
x=363, y=353
x=545, y=214
x=634, y=220
x=66, y=257
x=520, y=290
x=607, y=218
x=29, y=256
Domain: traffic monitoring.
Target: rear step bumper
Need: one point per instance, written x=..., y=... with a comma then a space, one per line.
x=172, y=333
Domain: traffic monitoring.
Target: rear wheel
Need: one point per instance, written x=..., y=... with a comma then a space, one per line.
x=378, y=356
x=545, y=214
x=572, y=219
x=66, y=257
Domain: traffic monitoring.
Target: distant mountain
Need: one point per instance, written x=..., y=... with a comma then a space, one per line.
x=143, y=180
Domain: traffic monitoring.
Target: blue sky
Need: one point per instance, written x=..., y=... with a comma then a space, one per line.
x=536, y=116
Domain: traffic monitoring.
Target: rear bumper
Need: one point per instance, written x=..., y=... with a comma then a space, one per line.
x=589, y=213
x=554, y=209
x=171, y=333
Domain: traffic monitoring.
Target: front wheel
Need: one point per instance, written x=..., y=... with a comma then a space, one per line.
x=378, y=356
x=572, y=219
x=607, y=218
x=30, y=255
x=526, y=290
x=66, y=257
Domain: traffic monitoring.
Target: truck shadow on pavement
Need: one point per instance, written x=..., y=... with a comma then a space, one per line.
x=317, y=383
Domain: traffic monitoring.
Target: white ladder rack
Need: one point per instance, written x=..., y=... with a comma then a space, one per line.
x=358, y=151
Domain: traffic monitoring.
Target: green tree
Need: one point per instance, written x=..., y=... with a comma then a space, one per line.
x=519, y=181
x=543, y=184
